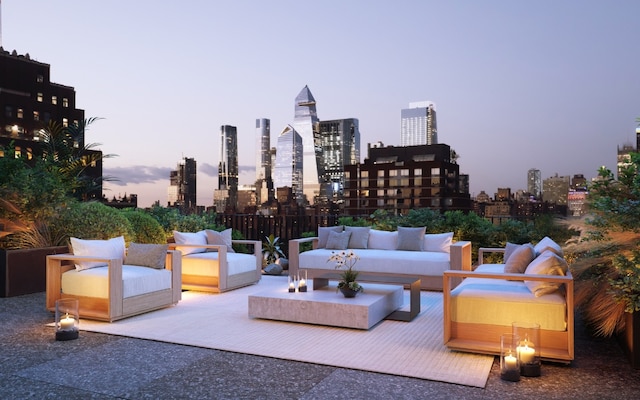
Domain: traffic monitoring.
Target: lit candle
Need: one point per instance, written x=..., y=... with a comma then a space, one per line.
x=510, y=362
x=292, y=287
x=527, y=354
x=67, y=323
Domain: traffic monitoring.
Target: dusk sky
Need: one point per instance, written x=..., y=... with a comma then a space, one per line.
x=551, y=84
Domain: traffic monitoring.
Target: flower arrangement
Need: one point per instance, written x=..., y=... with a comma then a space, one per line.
x=349, y=275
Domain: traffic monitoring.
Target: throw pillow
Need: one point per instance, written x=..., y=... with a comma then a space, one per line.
x=382, y=240
x=359, y=236
x=323, y=234
x=519, y=259
x=508, y=250
x=438, y=242
x=220, y=238
x=548, y=244
x=338, y=240
x=190, y=238
x=112, y=248
x=411, y=239
x=547, y=263
x=147, y=255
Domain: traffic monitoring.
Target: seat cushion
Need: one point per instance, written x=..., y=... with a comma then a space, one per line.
x=93, y=282
x=206, y=264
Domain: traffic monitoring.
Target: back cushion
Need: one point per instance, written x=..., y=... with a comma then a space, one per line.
x=438, y=242
x=547, y=263
x=411, y=239
x=220, y=238
x=338, y=240
x=548, y=244
x=519, y=259
x=190, y=238
x=147, y=255
x=323, y=234
x=359, y=238
x=112, y=248
x=382, y=240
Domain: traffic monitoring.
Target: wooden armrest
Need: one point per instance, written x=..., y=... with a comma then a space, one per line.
x=510, y=277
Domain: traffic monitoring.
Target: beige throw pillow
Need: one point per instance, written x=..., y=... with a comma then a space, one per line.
x=147, y=255
x=547, y=263
x=220, y=238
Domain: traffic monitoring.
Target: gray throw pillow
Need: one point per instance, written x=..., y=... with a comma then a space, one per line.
x=411, y=239
x=359, y=236
x=147, y=255
x=323, y=234
x=519, y=259
x=338, y=240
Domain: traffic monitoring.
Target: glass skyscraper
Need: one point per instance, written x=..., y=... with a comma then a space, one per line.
x=340, y=144
x=228, y=166
x=534, y=183
x=418, y=124
x=289, y=162
x=305, y=123
x=264, y=181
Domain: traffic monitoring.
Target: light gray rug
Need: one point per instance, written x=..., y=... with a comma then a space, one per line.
x=220, y=321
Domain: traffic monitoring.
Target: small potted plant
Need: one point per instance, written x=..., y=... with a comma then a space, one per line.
x=346, y=261
x=272, y=253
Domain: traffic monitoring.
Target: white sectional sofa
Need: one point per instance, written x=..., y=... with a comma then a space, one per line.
x=407, y=251
x=210, y=264
x=533, y=285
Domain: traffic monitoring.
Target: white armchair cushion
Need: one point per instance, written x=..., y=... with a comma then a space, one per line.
x=382, y=240
x=190, y=238
x=547, y=263
x=220, y=238
x=439, y=242
x=111, y=248
x=94, y=282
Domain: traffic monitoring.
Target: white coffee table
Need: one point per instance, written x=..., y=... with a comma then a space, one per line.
x=326, y=306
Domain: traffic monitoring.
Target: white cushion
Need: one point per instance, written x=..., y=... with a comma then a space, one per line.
x=440, y=242
x=548, y=244
x=220, y=238
x=136, y=280
x=190, y=238
x=547, y=263
x=206, y=264
x=359, y=236
x=382, y=240
x=111, y=249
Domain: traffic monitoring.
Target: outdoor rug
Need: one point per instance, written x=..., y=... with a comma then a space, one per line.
x=220, y=321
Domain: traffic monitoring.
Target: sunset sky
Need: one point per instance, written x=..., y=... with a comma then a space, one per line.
x=552, y=85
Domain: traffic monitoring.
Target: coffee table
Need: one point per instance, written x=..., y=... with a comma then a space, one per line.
x=326, y=306
x=398, y=315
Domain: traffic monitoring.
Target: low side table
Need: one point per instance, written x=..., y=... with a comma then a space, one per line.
x=398, y=315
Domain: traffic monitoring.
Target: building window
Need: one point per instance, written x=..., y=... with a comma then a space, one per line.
x=20, y=113
x=417, y=172
x=380, y=192
x=65, y=122
x=54, y=99
x=435, y=171
x=435, y=202
x=36, y=116
x=65, y=102
x=39, y=78
x=39, y=97
x=381, y=173
x=364, y=174
x=364, y=183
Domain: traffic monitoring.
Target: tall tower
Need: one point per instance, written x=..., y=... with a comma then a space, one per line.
x=534, y=183
x=264, y=181
x=418, y=124
x=228, y=166
x=289, y=162
x=182, y=186
x=340, y=144
x=305, y=123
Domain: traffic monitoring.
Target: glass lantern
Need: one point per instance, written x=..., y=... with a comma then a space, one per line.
x=509, y=362
x=528, y=347
x=67, y=319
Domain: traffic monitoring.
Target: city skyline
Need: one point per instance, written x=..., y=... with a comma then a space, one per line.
x=550, y=86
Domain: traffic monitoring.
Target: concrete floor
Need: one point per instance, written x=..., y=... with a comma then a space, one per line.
x=97, y=366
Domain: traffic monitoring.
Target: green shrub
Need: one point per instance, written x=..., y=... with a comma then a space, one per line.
x=145, y=228
x=93, y=220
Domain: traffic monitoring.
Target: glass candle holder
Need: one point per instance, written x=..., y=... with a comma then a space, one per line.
x=302, y=283
x=292, y=285
x=509, y=363
x=528, y=347
x=67, y=319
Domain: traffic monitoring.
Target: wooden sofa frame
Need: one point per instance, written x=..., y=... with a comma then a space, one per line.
x=114, y=307
x=460, y=259
x=557, y=346
x=223, y=282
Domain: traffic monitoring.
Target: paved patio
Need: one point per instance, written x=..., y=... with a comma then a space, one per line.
x=97, y=366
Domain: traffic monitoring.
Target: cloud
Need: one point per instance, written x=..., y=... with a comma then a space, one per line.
x=209, y=169
x=136, y=174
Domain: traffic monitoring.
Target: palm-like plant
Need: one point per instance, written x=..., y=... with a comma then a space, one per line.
x=271, y=250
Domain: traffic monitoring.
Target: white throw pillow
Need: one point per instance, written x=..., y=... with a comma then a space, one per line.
x=410, y=239
x=382, y=240
x=190, y=238
x=438, y=242
x=548, y=244
x=359, y=236
x=547, y=263
x=112, y=248
x=220, y=238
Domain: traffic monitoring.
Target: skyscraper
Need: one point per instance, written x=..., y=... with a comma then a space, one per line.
x=534, y=183
x=340, y=143
x=228, y=166
x=418, y=124
x=182, y=186
x=264, y=181
x=289, y=162
x=305, y=123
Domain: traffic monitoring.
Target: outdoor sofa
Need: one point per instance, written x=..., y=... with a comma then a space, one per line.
x=533, y=285
x=404, y=252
